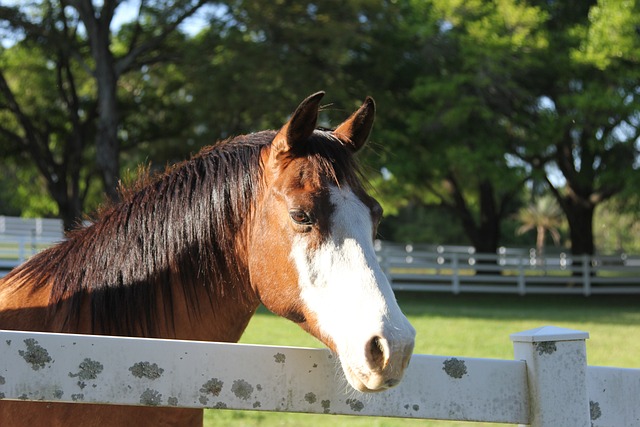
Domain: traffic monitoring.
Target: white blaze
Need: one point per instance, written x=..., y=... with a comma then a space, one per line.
x=343, y=284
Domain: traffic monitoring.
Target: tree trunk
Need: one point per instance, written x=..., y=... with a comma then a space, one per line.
x=489, y=230
x=485, y=233
x=107, y=144
x=540, y=238
x=580, y=219
x=97, y=24
x=69, y=205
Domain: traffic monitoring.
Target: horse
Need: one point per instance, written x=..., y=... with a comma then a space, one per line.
x=280, y=218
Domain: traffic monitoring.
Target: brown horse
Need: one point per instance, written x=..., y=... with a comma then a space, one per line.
x=278, y=218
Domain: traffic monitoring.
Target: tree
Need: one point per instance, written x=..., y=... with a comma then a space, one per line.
x=81, y=32
x=46, y=115
x=162, y=19
x=618, y=230
x=584, y=120
x=543, y=215
x=510, y=90
x=23, y=191
x=251, y=64
x=461, y=87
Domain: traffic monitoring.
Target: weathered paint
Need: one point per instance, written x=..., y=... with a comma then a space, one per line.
x=455, y=368
x=242, y=389
x=310, y=397
x=146, y=370
x=35, y=355
x=213, y=387
x=556, y=361
x=87, y=369
x=355, y=404
x=236, y=376
x=151, y=398
x=594, y=410
x=546, y=347
x=614, y=395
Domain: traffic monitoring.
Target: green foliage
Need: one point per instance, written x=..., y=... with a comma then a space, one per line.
x=611, y=38
x=475, y=98
x=23, y=192
x=617, y=227
x=418, y=224
x=523, y=79
x=458, y=113
x=253, y=65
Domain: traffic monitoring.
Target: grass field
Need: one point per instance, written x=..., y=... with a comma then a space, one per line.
x=467, y=325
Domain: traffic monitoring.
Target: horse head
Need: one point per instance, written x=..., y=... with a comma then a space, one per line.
x=311, y=255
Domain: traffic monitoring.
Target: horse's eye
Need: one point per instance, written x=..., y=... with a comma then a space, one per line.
x=300, y=217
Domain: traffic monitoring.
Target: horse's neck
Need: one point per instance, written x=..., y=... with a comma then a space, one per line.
x=23, y=307
x=194, y=314
x=217, y=310
x=223, y=318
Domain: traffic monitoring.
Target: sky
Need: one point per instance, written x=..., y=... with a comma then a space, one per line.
x=128, y=10
x=125, y=12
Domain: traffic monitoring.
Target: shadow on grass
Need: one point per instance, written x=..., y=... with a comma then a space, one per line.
x=619, y=309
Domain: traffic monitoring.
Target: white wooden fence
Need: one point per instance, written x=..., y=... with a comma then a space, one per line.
x=453, y=269
x=548, y=384
x=45, y=228
x=460, y=269
x=21, y=238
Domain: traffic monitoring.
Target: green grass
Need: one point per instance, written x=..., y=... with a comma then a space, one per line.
x=466, y=325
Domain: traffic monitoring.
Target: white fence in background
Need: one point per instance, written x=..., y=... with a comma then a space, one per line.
x=454, y=269
x=460, y=269
x=35, y=228
x=21, y=238
x=547, y=385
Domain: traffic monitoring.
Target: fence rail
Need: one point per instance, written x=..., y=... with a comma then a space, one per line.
x=460, y=269
x=454, y=269
x=46, y=228
x=21, y=238
x=14, y=250
x=548, y=385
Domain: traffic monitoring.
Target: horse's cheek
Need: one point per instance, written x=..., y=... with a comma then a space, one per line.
x=273, y=275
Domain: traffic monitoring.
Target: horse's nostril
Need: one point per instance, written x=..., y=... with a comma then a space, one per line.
x=376, y=353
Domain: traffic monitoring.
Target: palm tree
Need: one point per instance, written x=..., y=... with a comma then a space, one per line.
x=543, y=215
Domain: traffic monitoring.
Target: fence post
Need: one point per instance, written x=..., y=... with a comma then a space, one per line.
x=22, y=249
x=586, y=274
x=455, y=274
x=522, y=286
x=556, y=361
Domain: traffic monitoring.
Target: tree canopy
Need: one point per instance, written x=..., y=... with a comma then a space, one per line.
x=482, y=104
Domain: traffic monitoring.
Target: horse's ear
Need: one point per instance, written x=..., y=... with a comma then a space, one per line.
x=355, y=131
x=300, y=126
